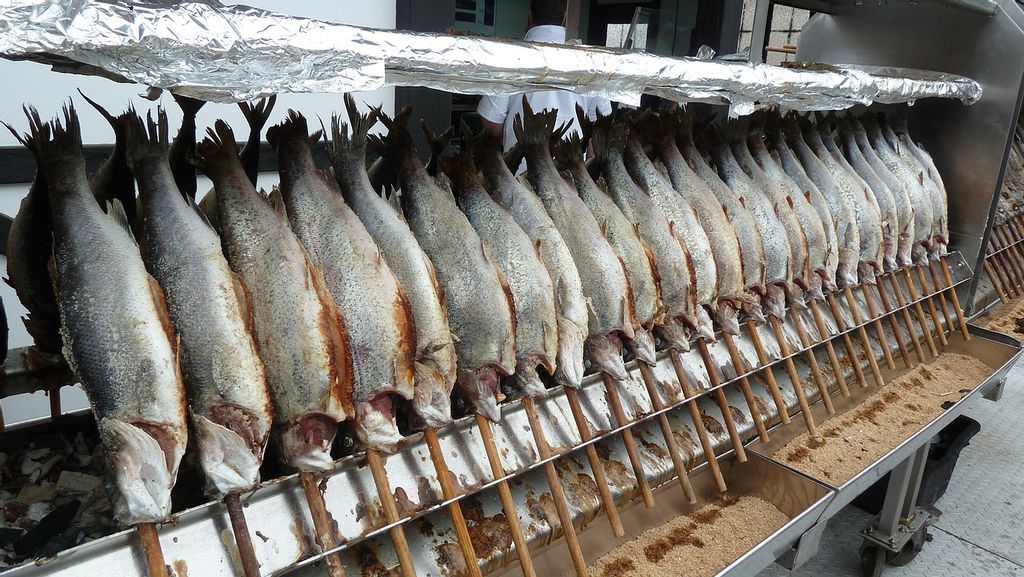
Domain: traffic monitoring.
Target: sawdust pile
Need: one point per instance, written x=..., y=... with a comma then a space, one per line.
x=853, y=441
x=701, y=543
x=1007, y=319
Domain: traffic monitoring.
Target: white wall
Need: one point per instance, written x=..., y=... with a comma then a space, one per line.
x=35, y=84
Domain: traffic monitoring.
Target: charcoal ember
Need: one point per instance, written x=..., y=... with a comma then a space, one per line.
x=52, y=525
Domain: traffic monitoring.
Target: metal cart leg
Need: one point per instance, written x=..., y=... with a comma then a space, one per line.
x=900, y=530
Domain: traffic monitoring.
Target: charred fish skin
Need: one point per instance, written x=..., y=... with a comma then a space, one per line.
x=604, y=279
x=29, y=248
x=884, y=198
x=435, y=361
x=670, y=259
x=533, y=295
x=923, y=212
x=479, y=311
x=621, y=234
x=840, y=205
x=529, y=213
x=789, y=162
x=113, y=179
x=229, y=402
x=684, y=222
x=121, y=349
x=299, y=333
x=898, y=189
x=728, y=254
x=372, y=303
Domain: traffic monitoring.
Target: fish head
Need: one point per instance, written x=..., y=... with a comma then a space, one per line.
x=605, y=353
x=867, y=272
x=919, y=254
x=727, y=315
x=751, y=306
x=774, y=301
x=375, y=423
x=526, y=379
x=480, y=389
x=676, y=332
x=431, y=404
x=846, y=274
x=571, y=336
x=227, y=458
x=139, y=477
x=703, y=326
x=642, y=345
x=306, y=442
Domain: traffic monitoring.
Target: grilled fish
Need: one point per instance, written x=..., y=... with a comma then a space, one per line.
x=225, y=383
x=621, y=235
x=670, y=259
x=881, y=193
x=122, y=349
x=605, y=285
x=299, y=332
x=533, y=295
x=684, y=223
x=787, y=159
x=479, y=307
x=529, y=213
x=372, y=304
x=435, y=351
x=921, y=162
x=840, y=205
x=29, y=248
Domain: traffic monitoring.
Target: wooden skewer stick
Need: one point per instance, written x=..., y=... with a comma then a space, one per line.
x=794, y=377
x=243, y=540
x=826, y=337
x=505, y=494
x=943, y=306
x=596, y=467
x=833, y=358
x=863, y=333
x=455, y=509
x=387, y=501
x=627, y=439
x=766, y=372
x=851, y=353
x=723, y=404
x=748, y=395
x=579, y=563
x=883, y=339
x=805, y=343
x=887, y=305
x=322, y=526
x=666, y=432
x=956, y=299
x=931, y=306
x=919, y=311
x=1004, y=263
x=151, y=550
x=1000, y=267
x=997, y=283
x=1012, y=254
x=698, y=421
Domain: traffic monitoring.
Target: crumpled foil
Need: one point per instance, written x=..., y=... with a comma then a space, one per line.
x=231, y=53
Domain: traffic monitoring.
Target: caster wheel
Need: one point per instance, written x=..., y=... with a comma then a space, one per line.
x=872, y=560
x=911, y=549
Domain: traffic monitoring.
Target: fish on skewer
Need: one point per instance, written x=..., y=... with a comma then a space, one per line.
x=435, y=365
x=299, y=332
x=123, y=350
x=476, y=296
x=516, y=257
x=207, y=304
x=370, y=300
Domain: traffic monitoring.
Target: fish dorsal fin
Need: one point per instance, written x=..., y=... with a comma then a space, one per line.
x=116, y=211
x=244, y=305
x=277, y=203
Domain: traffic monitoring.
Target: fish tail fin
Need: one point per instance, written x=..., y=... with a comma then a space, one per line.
x=52, y=140
x=217, y=148
x=147, y=139
x=610, y=134
x=568, y=151
x=538, y=127
x=189, y=106
x=397, y=138
x=256, y=115
x=295, y=128
x=351, y=135
x=461, y=168
x=110, y=118
x=438, y=143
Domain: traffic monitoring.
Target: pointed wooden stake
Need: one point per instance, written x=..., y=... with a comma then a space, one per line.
x=454, y=510
x=387, y=501
x=851, y=353
x=322, y=526
x=812, y=361
x=615, y=403
x=666, y=432
x=723, y=404
x=151, y=550
x=794, y=377
x=858, y=321
x=766, y=372
x=748, y=395
x=931, y=306
x=876, y=322
x=833, y=358
x=956, y=299
x=907, y=323
x=919, y=312
x=596, y=467
x=943, y=305
x=579, y=563
x=996, y=281
x=698, y=421
x=243, y=540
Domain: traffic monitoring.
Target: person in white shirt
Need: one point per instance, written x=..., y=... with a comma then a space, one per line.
x=546, y=23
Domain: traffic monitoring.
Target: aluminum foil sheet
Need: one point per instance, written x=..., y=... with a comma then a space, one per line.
x=897, y=85
x=230, y=53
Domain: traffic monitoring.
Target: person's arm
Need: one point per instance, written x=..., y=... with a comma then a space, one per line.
x=493, y=110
